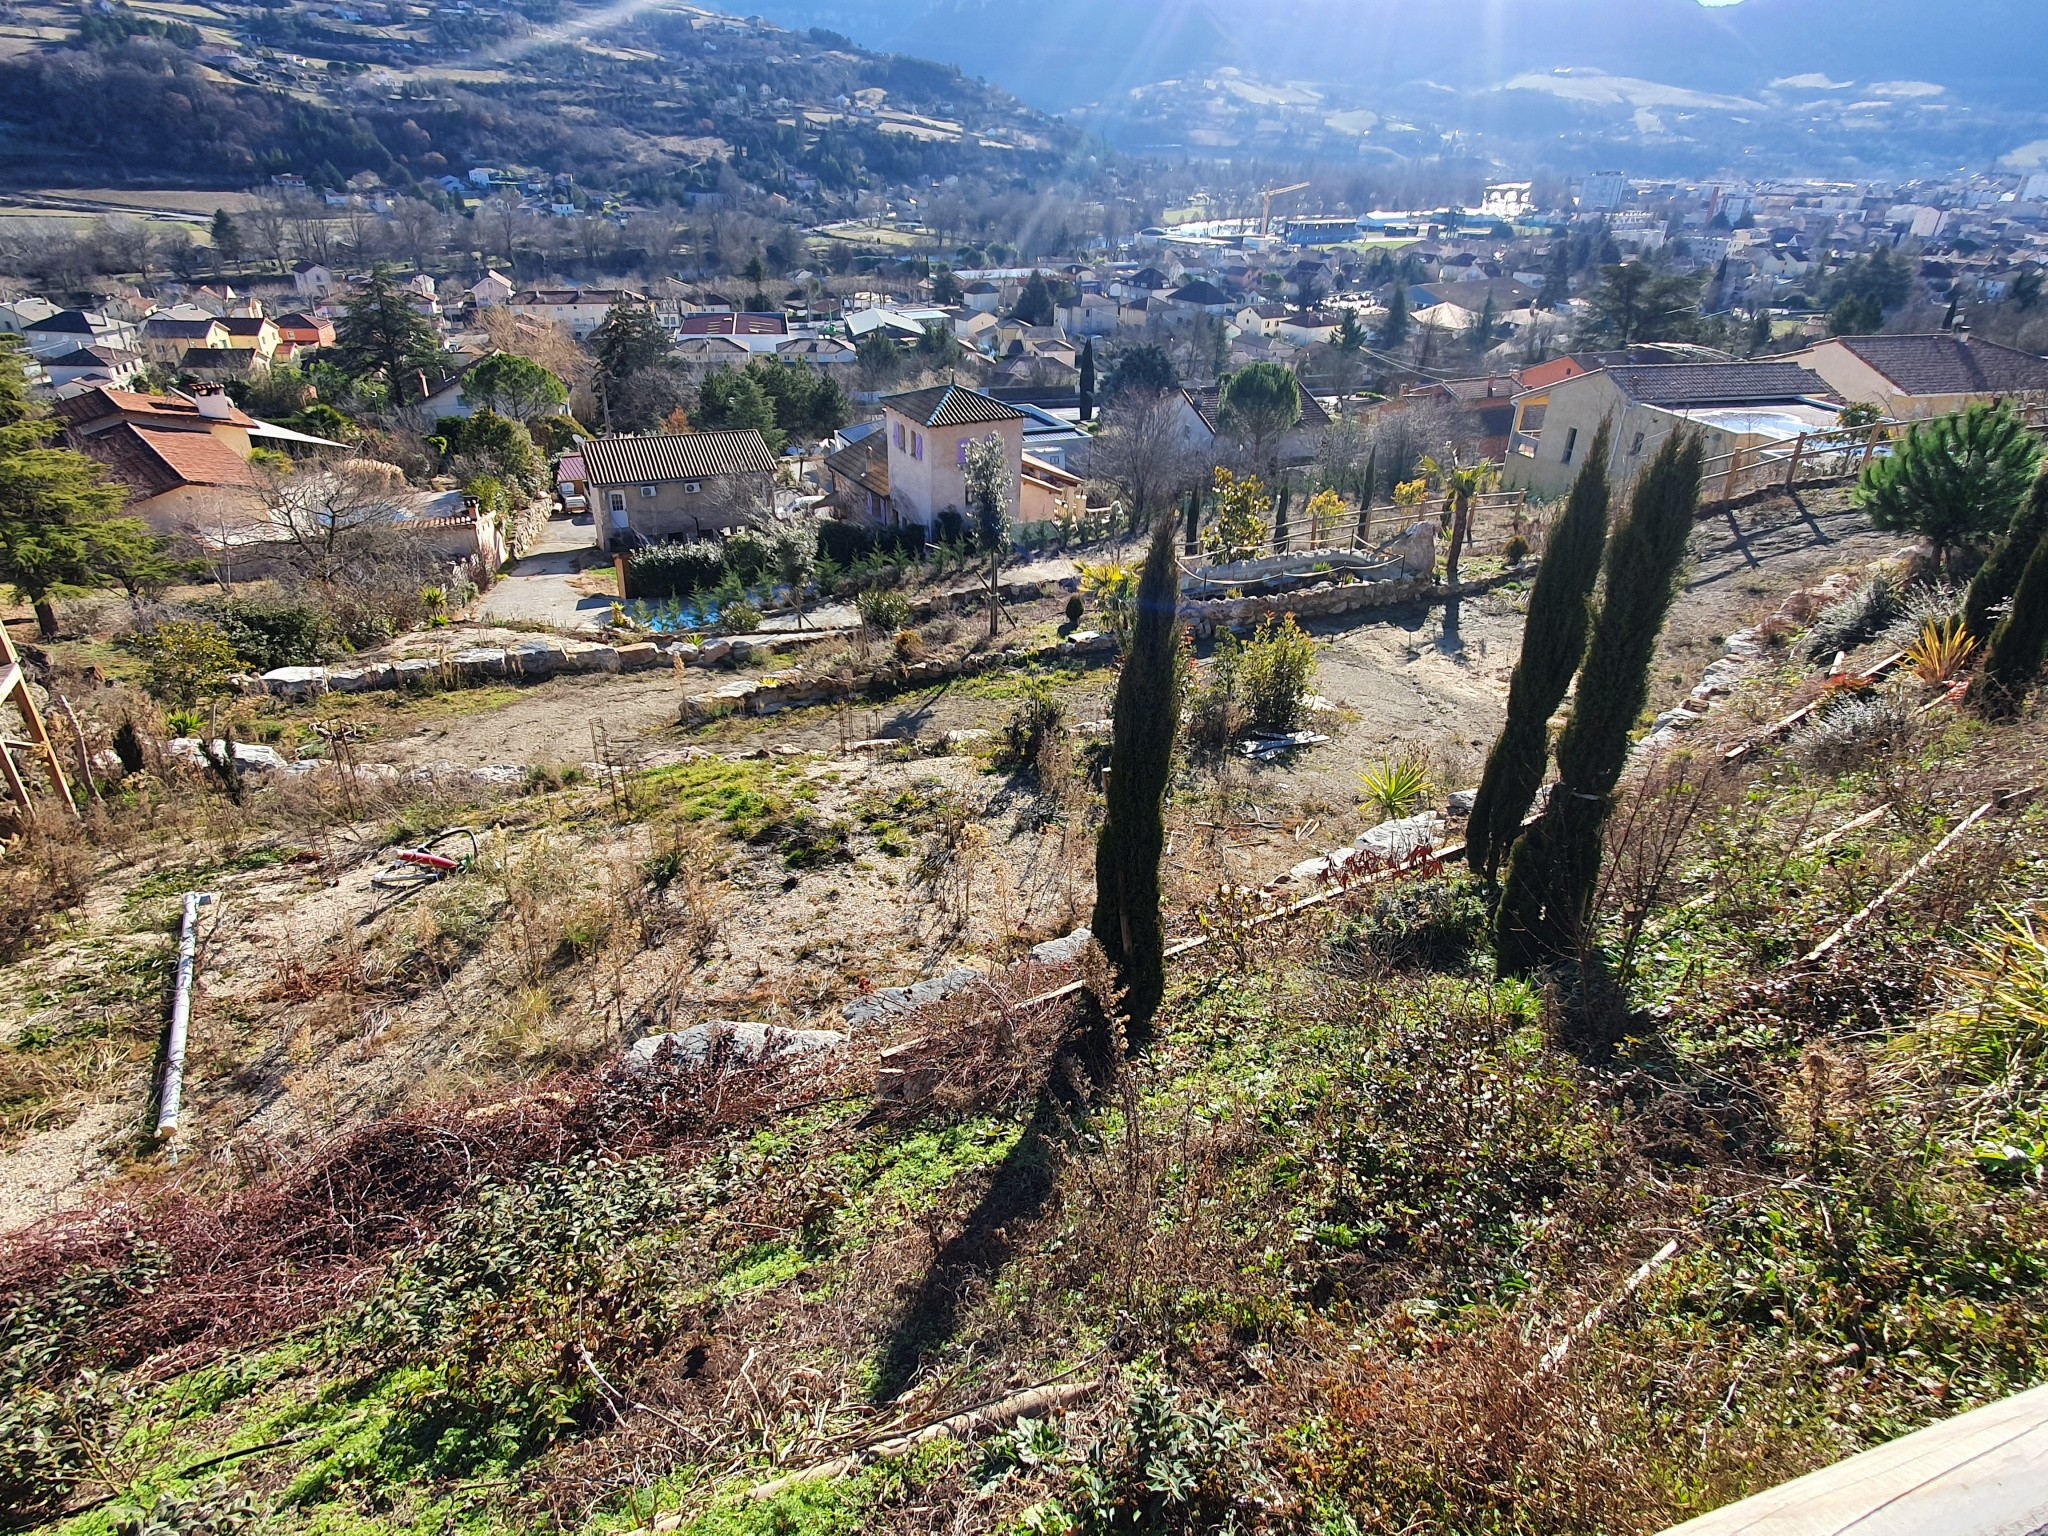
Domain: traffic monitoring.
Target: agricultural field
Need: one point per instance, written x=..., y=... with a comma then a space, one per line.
x=1359, y=1235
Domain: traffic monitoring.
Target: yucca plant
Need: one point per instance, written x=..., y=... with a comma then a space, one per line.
x=1940, y=651
x=1395, y=788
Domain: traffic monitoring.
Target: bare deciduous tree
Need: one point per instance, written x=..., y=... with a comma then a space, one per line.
x=1143, y=453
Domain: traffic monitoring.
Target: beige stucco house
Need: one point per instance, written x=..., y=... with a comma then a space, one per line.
x=677, y=485
x=1913, y=377
x=1733, y=405
x=927, y=432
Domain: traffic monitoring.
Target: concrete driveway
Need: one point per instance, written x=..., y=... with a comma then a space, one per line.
x=535, y=588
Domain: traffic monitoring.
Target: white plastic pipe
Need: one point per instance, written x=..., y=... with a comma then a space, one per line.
x=181, y=1016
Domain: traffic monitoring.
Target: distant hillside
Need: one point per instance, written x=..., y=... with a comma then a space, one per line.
x=666, y=97
x=1842, y=84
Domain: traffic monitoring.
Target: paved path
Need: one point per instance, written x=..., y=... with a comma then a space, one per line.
x=535, y=589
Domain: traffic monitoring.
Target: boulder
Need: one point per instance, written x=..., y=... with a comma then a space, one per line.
x=1677, y=720
x=745, y=1040
x=684, y=654
x=296, y=682
x=479, y=661
x=418, y=670
x=1400, y=840
x=589, y=656
x=743, y=651
x=890, y=1000
x=639, y=657
x=348, y=680
x=713, y=652
x=1063, y=951
x=537, y=658
x=250, y=757
x=1460, y=801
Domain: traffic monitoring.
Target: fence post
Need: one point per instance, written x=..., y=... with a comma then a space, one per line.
x=1792, y=469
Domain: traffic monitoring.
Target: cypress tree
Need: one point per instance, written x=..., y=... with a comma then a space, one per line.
x=1998, y=576
x=1280, y=516
x=1127, y=920
x=2012, y=661
x=1193, y=513
x=1088, y=378
x=1555, y=865
x=1553, y=640
x=1365, y=492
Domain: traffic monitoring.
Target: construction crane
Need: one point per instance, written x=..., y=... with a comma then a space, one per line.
x=1266, y=218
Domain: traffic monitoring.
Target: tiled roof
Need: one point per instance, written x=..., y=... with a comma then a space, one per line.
x=866, y=463
x=1696, y=384
x=676, y=456
x=948, y=405
x=153, y=460
x=176, y=328
x=246, y=325
x=561, y=296
x=1200, y=292
x=1949, y=365
x=99, y=405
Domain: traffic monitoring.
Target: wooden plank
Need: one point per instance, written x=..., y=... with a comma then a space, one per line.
x=1981, y=1473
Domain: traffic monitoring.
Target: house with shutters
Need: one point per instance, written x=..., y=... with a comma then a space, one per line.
x=927, y=432
x=675, y=486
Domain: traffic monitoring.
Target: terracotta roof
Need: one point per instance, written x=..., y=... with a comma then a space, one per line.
x=866, y=463
x=676, y=456
x=153, y=460
x=948, y=405
x=101, y=405
x=1700, y=384
x=1950, y=365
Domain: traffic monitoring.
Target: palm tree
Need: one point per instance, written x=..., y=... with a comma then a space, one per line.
x=1460, y=484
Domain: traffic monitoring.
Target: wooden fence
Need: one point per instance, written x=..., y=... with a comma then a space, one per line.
x=1816, y=458
x=1497, y=516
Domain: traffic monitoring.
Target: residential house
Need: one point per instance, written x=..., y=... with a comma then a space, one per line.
x=857, y=480
x=1487, y=403
x=69, y=329
x=491, y=289
x=1199, y=412
x=1912, y=377
x=1308, y=328
x=927, y=432
x=184, y=459
x=976, y=329
x=169, y=334
x=17, y=315
x=93, y=366
x=300, y=333
x=1733, y=405
x=984, y=298
x=702, y=355
x=826, y=352
x=256, y=335
x=579, y=310
x=681, y=485
x=1200, y=297
x=312, y=279
x=1047, y=493
x=1260, y=319
x=1087, y=314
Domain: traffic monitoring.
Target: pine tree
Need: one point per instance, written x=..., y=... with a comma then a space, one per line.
x=628, y=340
x=227, y=239
x=2000, y=575
x=1553, y=640
x=1365, y=494
x=1088, y=379
x=1394, y=330
x=383, y=337
x=1127, y=921
x=1555, y=866
x=2012, y=661
x=61, y=528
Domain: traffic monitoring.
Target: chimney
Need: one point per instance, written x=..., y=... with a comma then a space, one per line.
x=213, y=404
